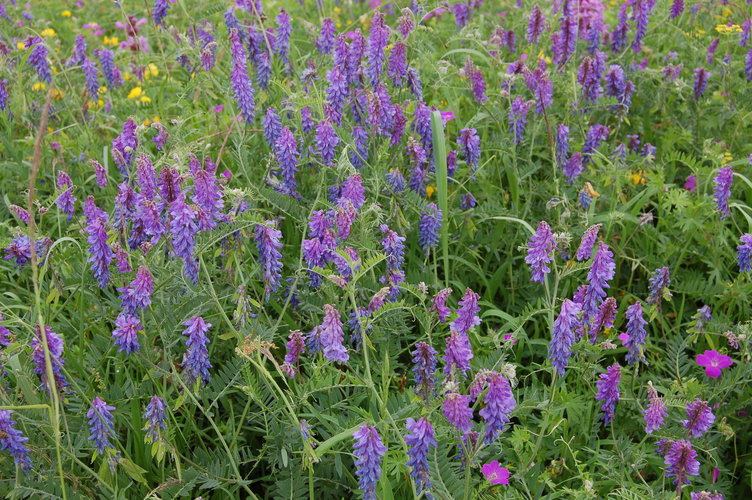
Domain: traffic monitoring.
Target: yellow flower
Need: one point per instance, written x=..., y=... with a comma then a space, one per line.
x=39, y=86
x=726, y=29
x=135, y=92
x=126, y=76
x=57, y=94
x=111, y=40
x=151, y=70
x=638, y=177
x=337, y=10
x=429, y=191
x=338, y=25
x=727, y=158
x=102, y=89
x=21, y=46
x=66, y=13
x=155, y=119
x=146, y=122
x=145, y=99
x=48, y=32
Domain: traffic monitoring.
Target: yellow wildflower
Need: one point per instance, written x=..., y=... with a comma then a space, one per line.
x=102, y=89
x=57, y=94
x=135, y=92
x=48, y=32
x=638, y=177
x=430, y=190
x=21, y=46
x=126, y=76
x=727, y=158
x=337, y=10
x=145, y=99
x=146, y=122
x=726, y=29
x=66, y=13
x=111, y=40
x=39, y=86
x=155, y=119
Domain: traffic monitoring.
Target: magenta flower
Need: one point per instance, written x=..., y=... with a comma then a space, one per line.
x=714, y=362
x=495, y=473
x=691, y=184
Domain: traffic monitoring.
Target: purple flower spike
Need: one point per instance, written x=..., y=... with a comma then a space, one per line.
x=326, y=142
x=429, y=227
x=467, y=314
x=137, y=295
x=14, y=442
x=183, y=228
x=722, y=190
x=541, y=252
x=681, y=462
x=457, y=411
x=518, y=118
x=124, y=147
x=331, y=335
x=160, y=12
x=536, y=25
x=125, y=333
x=286, y=151
x=369, y=451
x=424, y=359
x=101, y=428
x=268, y=244
x=457, y=355
x=439, y=304
x=601, y=271
x=282, y=43
x=636, y=333
x=394, y=248
x=295, y=348
x=65, y=200
x=155, y=419
x=608, y=391
x=677, y=7
x=701, y=82
x=585, y=251
x=272, y=124
x=420, y=439
x=196, y=363
x=377, y=42
x=655, y=413
x=325, y=41
x=397, y=66
x=56, y=347
x=101, y=253
x=659, y=284
x=38, y=59
x=499, y=405
x=700, y=418
x=562, y=339
x=469, y=143
x=241, y=82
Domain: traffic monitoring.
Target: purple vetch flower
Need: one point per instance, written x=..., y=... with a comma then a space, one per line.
x=159, y=12
x=79, y=51
x=398, y=129
x=183, y=229
x=562, y=145
x=681, y=461
x=90, y=77
x=499, y=405
x=439, y=304
x=5, y=334
x=281, y=44
x=746, y=28
x=536, y=25
x=457, y=354
x=359, y=154
x=659, y=284
x=126, y=331
x=396, y=181
x=272, y=124
x=325, y=41
x=589, y=76
x=286, y=151
x=641, y=10
x=479, y=86
x=263, y=71
x=744, y=252
x=704, y=314
x=518, y=118
x=124, y=147
x=424, y=368
x=241, y=82
x=100, y=173
x=420, y=439
x=306, y=119
x=162, y=136
x=429, y=227
x=422, y=125
x=101, y=427
x=369, y=451
x=56, y=346
x=396, y=68
x=38, y=59
x=13, y=441
x=137, y=295
x=699, y=418
x=701, y=82
x=710, y=56
x=405, y=23
x=394, y=248
x=268, y=244
x=4, y=96
x=121, y=260
x=414, y=83
x=331, y=335
x=295, y=348
x=21, y=213
x=469, y=143
x=101, y=253
x=207, y=194
x=562, y=338
x=65, y=200
x=457, y=411
x=608, y=391
x=377, y=41
x=619, y=34
x=585, y=250
x=722, y=190
x=20, y=250
x=677, y=7
x=593, y=139
x=601, y=271
x=540, y=85
x=155, y=417
x=540, y=252
x=355, y=55
x=196, y=363
x=467, y=313
x=326, y=142
x=336, y=94
x=353, y=191
x=109, y=69
x=461, y=14
x=564, y=41
x=655, y=413
x=604, y=318
x=636, y=333
x=468, y=201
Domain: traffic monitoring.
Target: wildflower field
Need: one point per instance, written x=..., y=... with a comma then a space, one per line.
x=334, y=249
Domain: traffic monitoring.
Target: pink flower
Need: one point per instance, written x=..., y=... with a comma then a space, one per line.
x=218, y=108
x=624, y=339
x=691, y=184
x=714, y=362
x=508, y=337
x=446, y=116
x=495, y=473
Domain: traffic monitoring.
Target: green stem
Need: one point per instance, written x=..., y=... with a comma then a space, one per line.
x=440, y=161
